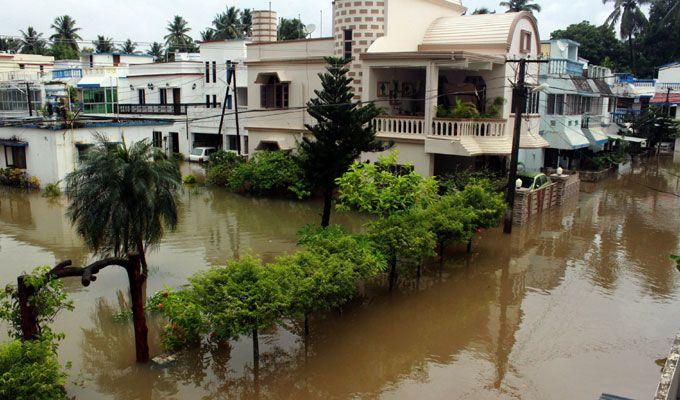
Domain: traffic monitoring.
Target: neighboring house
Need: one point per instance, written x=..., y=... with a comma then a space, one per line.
x=632, y=96
x=444, y=56
x=574, y=106
x=50, y=151
x=19, y=74
x=667, y=93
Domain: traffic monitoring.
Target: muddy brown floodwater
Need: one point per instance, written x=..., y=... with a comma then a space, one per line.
x=582, y=301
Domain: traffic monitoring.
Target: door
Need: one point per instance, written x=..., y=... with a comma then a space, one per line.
x=177, y=101
x=175, y=142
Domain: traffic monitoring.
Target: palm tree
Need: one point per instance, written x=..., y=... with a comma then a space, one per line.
x=103, y=44
x=632, y=18
x=157, y=51
x=228, y=24
x=178, y=38
x=208, y=35
x=520, y=5
x=32, y=42
x=9, y=44
x=121, y=197
x=247, y=22
x=128, y=47
x=483, y=10
x=65, y=31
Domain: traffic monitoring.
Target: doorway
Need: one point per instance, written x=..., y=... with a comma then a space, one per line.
x=177, y=101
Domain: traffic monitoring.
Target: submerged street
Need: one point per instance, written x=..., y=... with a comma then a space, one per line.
x=582, y=301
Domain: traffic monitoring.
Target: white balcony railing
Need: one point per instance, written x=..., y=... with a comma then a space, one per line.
x=468, y=127
x=21, y=76
x=441, y=127
x=399, y=125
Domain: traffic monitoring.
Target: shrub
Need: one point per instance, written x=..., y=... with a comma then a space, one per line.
x=269, y=173
x=189, y=179
x=52, y=190
x=18, y=178
x=220, y=166
x=458, y=180
x=30, y=371
x=184, y=314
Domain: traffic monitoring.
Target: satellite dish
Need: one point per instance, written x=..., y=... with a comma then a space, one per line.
x=309, y=29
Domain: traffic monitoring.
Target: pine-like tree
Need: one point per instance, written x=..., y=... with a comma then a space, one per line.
x=343, y=131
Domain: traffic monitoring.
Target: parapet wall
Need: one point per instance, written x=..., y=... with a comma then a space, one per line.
x=529, y=203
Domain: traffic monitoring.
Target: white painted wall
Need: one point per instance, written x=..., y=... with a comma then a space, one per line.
x=670, y=74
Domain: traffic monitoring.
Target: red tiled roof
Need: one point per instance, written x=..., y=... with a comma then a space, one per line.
x=660, y=98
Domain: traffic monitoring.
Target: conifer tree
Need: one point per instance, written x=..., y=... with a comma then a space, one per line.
x=342, y=132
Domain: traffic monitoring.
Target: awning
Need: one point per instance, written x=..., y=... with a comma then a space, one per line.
x=602, y=87
x=596, y=136
x=569, y=139
x=583, y=86
x=560, y=86
x=666, y=99
x=94, y=81
x=631, y=139
x=13, y=143
x=266, y=77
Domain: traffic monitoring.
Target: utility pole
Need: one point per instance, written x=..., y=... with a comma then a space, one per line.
x=238, y=129
x=28, y=100
x=519, y=101
x=668, y=100
x=224, y=105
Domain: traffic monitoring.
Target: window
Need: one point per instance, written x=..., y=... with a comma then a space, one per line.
x=214, y=71
x=207, y=71
x=232, y=142
x=229, y=105
x=141, y=93
x=525, y=42
x=532, y=102
x=555, y=104
x=274, y=95
x=207, y=101
x=22, y=66
x=15, y=157
x=157, y=139
x=163, y=95
x=347, y=44
x=214, y=102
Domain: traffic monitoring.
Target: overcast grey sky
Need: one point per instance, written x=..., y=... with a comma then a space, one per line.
x=145, y=20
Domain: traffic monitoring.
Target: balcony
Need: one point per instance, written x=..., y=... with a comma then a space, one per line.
x=22, y=76
x=565, y=67
x=160, y=109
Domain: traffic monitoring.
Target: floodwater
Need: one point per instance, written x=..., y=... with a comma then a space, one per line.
x=583, y=301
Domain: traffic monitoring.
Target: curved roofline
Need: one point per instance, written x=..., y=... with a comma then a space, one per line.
x=534, y=24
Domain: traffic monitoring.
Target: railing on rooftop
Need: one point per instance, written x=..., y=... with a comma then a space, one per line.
x=67, y=73
x=161, y=109
x=663, y=86
x=565, y=67
x=21, y=76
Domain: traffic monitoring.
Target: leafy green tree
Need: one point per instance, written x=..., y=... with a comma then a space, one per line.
x=30, y=370
x=451, y=221
x=208, y=35
x=483, y=10
x=343, y=131
x=241, y=298
x=381, y=189
x=656, y=125
x=121, y=197
x=520, y=5
x=128, y=47
x=178, y=38
x=32, y=42
x=659, y=43
x=247, y=22
x=598, y=43
x=267, y=173
x=228, y=24
x=103, y=44
x=62, y=51
x=65, y=32
x=632, y=18
x=488, y=205
x=157, y=51
x=325, y=274
x=291, y=29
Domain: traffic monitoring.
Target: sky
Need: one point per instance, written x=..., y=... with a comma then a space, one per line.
x=144, y=21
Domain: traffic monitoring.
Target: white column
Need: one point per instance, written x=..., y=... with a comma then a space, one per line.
x=431, y=95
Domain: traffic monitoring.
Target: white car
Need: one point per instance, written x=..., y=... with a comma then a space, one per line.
x=201, y=154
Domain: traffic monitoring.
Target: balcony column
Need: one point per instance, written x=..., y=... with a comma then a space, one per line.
x=431, y=95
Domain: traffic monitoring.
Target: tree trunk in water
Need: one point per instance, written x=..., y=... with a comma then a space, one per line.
x=142, y=257
x=29, y=317
x=306, y=325
x=441, y=251
x=469, y=246
x=418, y=271
x=327, y=204
x=256, y=354
x=393, y=270
x=137, y=280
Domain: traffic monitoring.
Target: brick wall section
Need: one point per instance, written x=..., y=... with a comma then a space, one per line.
x=530, y=203
x=366, y=19
x=596, y=176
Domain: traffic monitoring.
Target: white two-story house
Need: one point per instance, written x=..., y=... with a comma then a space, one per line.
x=416, y=60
